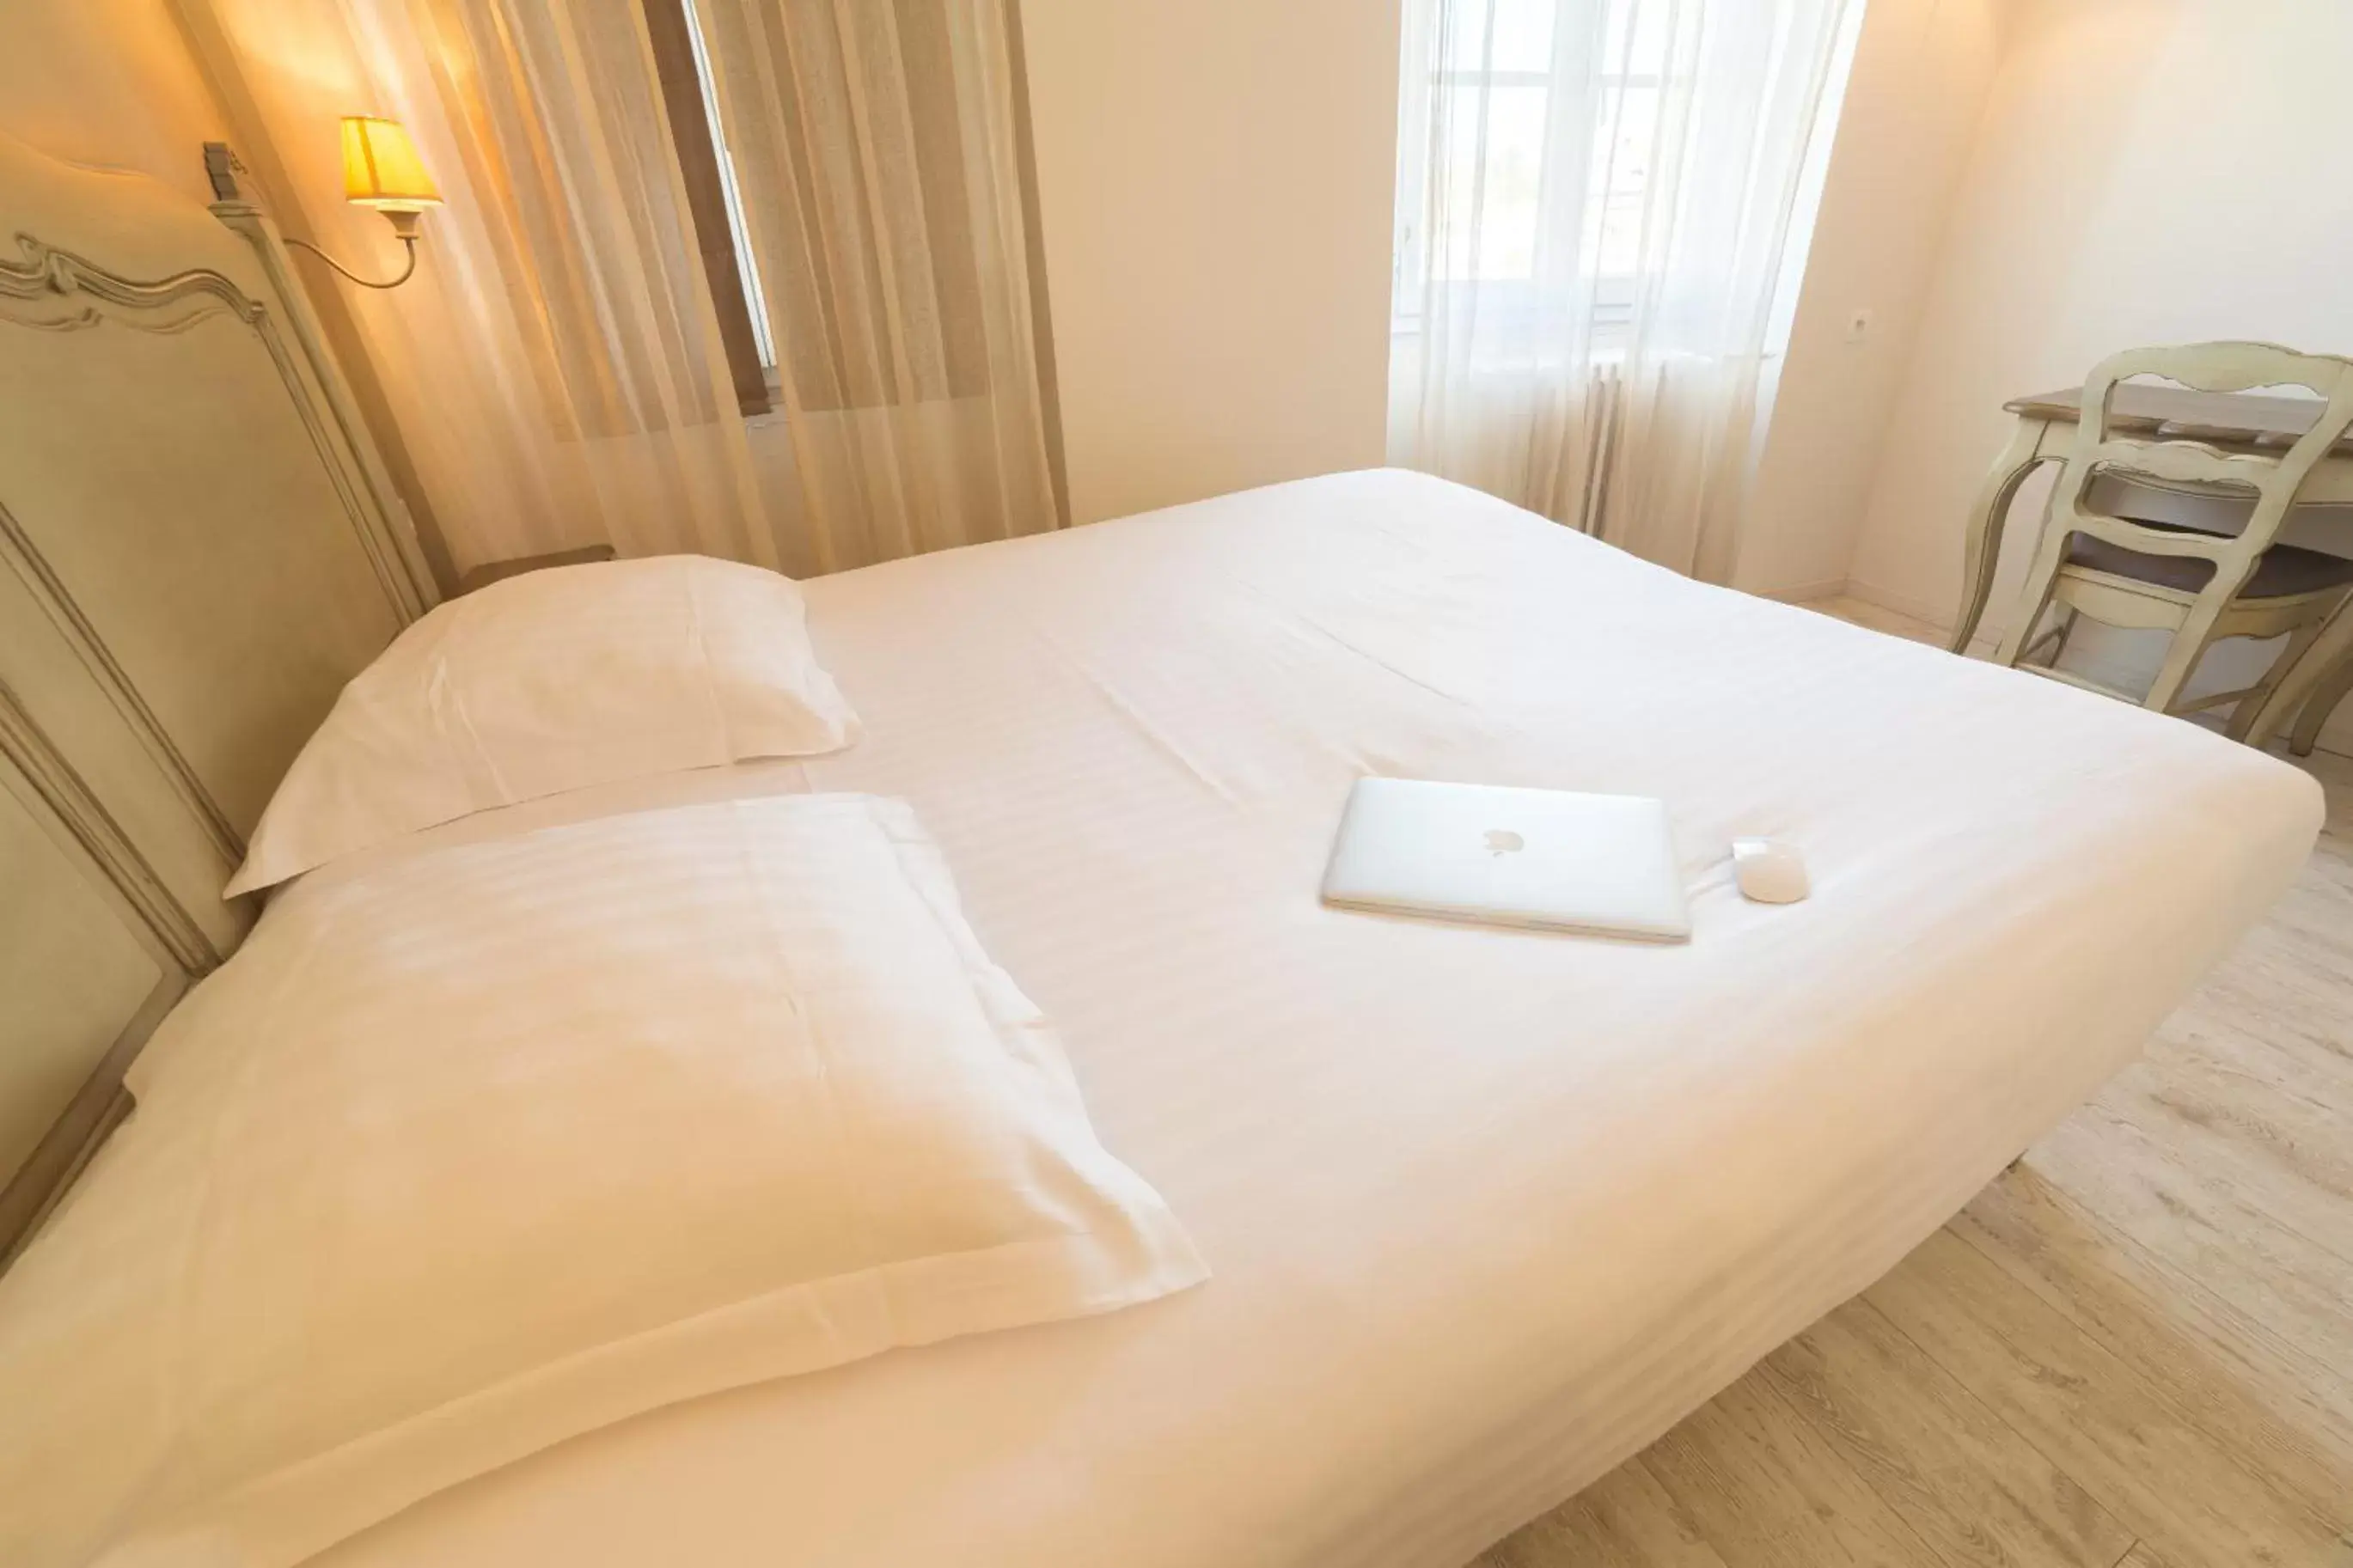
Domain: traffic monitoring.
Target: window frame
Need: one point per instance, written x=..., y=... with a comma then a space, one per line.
x=682, y=73
x=1614, y=294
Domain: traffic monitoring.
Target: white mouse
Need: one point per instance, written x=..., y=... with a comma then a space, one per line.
x=1771, y=871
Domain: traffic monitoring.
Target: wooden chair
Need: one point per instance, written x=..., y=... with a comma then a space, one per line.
x=2336, y=684
x=2310, y=691
x=2201, y=587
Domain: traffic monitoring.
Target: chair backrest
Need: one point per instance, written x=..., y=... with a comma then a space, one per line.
x=2272, y=481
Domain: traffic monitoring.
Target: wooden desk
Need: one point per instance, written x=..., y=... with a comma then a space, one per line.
x=2235, y=422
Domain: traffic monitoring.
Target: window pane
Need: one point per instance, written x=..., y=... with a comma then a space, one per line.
x=1620, y=251
x=1503, y=189
x=1522, y=41
x=1465, y=46
x=1621, y=173
x=738, y=231
x=1637, y=35
x=1523, y=34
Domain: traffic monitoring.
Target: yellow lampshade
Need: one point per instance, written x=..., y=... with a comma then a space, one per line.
x=381, y=168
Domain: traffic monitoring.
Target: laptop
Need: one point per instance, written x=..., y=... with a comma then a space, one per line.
x=1602, y=864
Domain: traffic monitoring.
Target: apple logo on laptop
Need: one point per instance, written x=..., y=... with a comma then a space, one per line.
x=1503, y=841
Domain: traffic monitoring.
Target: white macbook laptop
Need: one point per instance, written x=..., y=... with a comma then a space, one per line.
x=1598, y=863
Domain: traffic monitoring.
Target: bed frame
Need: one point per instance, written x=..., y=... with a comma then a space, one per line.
x=198, y=546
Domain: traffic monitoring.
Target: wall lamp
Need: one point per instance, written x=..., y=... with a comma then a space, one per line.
x=382, y=169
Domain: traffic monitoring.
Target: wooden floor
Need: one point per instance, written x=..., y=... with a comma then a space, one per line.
x=2135, y=1349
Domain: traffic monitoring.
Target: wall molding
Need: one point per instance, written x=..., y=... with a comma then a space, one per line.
x=71, y=799
x=57, y=601
x=1938, y=617
x=59, y=285
x=58, y=290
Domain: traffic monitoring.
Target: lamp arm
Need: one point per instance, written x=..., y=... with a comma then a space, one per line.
x=406, y=273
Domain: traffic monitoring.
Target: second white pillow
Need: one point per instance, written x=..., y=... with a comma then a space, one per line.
x=551, y=681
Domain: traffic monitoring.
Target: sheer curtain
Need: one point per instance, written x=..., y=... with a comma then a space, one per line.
x=555, y=368
x=874, y=142
x=1594, y=199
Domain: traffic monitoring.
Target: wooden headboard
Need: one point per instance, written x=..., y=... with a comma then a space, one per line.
x=197, y=549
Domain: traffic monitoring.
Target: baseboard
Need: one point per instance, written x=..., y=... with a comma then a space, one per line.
x=1938, y=615
x=2336, y=735
x=1805, y=592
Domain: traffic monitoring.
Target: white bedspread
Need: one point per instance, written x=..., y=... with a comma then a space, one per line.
x=1487, y=1210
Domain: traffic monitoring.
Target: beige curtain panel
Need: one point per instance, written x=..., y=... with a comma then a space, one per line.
x=874, y=146
x=554, y=370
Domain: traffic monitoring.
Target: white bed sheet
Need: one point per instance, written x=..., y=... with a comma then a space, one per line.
x=1487, y=1210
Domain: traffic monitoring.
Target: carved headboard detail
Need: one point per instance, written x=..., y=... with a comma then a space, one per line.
x=58, y=278
x=198, y=546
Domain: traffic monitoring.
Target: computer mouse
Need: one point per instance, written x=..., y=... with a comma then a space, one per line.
x=1770, y=872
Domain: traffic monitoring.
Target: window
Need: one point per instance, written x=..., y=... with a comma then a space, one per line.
x=713, y=200
x=1498, y=91
x=738, y=235
x=869, y=325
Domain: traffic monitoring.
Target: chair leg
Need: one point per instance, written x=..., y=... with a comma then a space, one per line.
x=2189, y=644
x=2332, y=690
x=2066, y=631
x=2310, y=689
x=1986, y=527
x=2047, y=648
x=2041, y=577
x=2244, y=711
x=2180, y=663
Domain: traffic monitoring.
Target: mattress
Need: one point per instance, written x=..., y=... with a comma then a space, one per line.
x=1487, y=1210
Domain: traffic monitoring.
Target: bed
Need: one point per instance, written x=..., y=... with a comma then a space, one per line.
x=1486, y=1211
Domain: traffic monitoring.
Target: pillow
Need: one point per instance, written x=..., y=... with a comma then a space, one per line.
x=550, y=681
x=504, y=1142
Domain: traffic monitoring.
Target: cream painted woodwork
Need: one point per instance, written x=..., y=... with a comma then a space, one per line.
x=197, y=548
x=2132, y=1350
x=2235, y=423
x=76, y=971
x=2312, y=687
x=2220, y=608
x=62, y=723
x=83, y=979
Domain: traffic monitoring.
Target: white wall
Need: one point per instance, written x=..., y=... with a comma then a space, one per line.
x=1215, y=184
x=115, y=84
x=2150, y=170
x=108, y=83
x=1923, y=70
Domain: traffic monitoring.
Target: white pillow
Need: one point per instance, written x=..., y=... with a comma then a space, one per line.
x=509, y=1141
x=550, y=681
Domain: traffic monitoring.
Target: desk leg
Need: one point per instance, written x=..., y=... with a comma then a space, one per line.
x=1986, y=525
x=2315, y=684
x=2323, y=701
